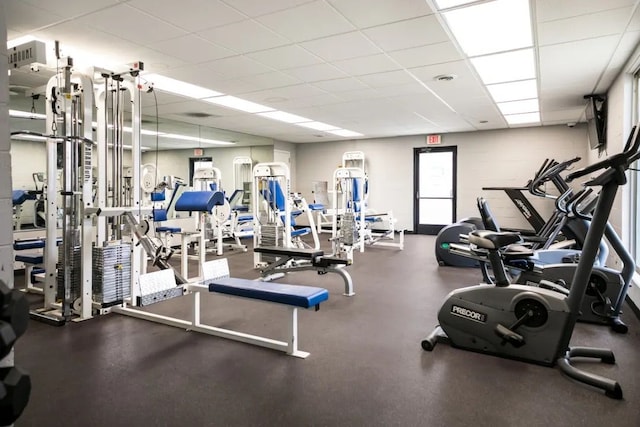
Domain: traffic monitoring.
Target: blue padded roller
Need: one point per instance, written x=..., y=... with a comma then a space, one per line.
x=199, y=201
x=316, y=206
x=245, y=218
x=30, y=259
x=300, y=232
x=297, y=296
x=158, y=196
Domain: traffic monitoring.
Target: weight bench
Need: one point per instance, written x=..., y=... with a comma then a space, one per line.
x=297, y=259
x=161, y=283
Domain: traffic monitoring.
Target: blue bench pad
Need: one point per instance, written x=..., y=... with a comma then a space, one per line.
x=30, y=259
x=23, y=245
x=168, y=229
x=245, y=218
x=316, y=206
x=298, y=296
x=291, y=252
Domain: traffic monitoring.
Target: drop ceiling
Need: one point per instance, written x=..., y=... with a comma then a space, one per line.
x=363, y=65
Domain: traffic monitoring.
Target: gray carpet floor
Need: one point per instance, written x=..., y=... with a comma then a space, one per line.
x=366, y=366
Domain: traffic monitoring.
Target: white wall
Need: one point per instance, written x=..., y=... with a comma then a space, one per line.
x=176, y=162
x=485, y=159
x=292, y=149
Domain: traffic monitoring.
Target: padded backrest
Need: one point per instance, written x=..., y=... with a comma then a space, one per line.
x=277, y=195
x=158, y=196
x=487, y=217
x=159, y=215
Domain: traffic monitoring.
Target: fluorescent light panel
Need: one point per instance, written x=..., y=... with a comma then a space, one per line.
x=506, y=67
x=238, y=104
x=512, y=91
x=284, y=117
x=178, y=87
x=446, y=4
x=521, y=119
x=519, y=107
x=344, y=132
x=194, y=138
x=318, y=126
x=491, y=27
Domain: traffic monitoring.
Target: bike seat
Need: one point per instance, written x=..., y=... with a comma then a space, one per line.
x=493, y=240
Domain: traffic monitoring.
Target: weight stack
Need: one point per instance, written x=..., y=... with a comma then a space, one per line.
x=111, y=273
x=73, y=261
x=270, y=235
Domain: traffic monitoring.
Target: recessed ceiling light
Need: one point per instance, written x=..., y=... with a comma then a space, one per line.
x=445, y=77
x=344, y=132
x=178, y=87
x=506, y=67
x=513, y=91
x=489, y=27
x=519, y=107
x=521, y=119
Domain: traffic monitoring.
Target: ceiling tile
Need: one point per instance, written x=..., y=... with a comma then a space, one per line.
x=236, y=67
x=130, y=24
x=409, y=33
x=306, y=22
x=583, y=27
x=271, y=80
x=426, y=55
x=285, y=93
x=342, y=46
x=75, y=7
x=380, y=11
x=25, y=18
x=315, y=73
x=190, y=15
x=566, y=64
x=255, y=8
x=389, y=78
x=191, y=49
x=367, y=65
x=634, y=22
x=195, y=74
x=550, y=10
x=340, y=85
x=285, y=57
x=92, y=47
x=562, y=116
x=245, y=36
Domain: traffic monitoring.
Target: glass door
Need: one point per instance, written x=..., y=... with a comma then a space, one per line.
x=435, y=188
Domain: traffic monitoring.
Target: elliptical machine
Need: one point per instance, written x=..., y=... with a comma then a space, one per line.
x=534, y=324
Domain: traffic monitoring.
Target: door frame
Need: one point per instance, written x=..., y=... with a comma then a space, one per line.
x=432, y=229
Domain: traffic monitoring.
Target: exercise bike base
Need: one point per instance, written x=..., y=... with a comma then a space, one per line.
x=611, y=388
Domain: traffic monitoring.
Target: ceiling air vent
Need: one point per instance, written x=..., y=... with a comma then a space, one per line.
x=445, y=77
x=199, y=115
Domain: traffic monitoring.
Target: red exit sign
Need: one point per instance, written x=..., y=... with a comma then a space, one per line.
x=434, y=139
